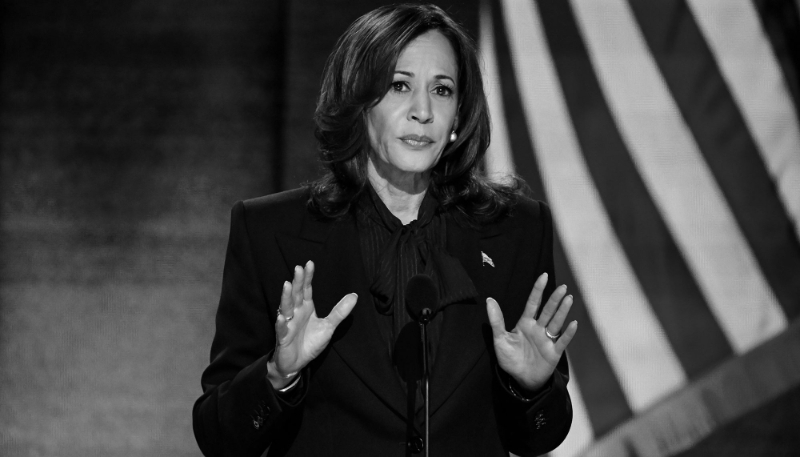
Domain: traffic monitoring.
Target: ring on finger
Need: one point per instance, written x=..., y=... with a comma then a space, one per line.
x=550, y=335
x=288, y=318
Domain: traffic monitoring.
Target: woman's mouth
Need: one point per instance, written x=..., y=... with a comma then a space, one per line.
x=416, y=140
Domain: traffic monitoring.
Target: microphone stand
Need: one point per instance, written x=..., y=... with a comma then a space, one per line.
x=426, y=317
x=422, y=298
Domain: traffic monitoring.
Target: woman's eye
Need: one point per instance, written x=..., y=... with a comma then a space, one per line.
x=399, y=86
x=443, y=91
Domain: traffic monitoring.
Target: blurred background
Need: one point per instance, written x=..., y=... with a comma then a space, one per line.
x=664, y=134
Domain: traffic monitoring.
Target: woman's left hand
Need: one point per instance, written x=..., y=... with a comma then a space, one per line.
x=527, y=352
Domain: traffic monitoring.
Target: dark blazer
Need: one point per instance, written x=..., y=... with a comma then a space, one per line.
x=351, y=401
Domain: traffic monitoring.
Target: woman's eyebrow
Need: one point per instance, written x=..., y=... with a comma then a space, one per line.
x=411, y=75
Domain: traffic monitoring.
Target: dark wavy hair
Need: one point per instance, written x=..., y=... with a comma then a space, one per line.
x=359, y=73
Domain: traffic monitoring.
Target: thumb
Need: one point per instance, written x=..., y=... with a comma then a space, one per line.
x=495, y=317
x=342, y=309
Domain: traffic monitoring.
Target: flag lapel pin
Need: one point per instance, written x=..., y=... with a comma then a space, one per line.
x=487, y=259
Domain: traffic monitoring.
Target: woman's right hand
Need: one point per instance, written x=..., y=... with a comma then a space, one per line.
x=301, y=335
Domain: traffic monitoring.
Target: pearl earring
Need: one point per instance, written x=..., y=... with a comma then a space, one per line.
x=453, y=136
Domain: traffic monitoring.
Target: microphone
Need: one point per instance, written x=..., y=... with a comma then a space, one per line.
x=421, y=299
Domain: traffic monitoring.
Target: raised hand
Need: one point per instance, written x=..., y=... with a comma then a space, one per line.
x=301, y=335
x=530, y=352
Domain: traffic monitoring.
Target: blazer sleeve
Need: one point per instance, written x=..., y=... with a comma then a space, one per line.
x=239, y=412
x=534, y=425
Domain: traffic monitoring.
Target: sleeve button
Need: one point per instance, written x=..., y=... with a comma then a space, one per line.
x=415, y=445
x=540, y=420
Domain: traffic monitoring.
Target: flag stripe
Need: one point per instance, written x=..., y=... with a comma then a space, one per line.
x=781, y=22
x=603, y=397
x=748, y=64
x=676, y=175
x=643, y=361
x=657, y=261
x=499, y=160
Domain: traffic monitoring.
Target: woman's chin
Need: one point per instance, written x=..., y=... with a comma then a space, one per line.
x=414, y=169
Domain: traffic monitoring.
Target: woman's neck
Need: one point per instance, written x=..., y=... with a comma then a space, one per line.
x=402, y=193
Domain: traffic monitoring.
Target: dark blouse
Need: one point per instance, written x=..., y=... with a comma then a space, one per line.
x=393, y=253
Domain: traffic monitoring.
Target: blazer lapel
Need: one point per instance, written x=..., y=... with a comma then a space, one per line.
x=334, y=248
x=462, y=342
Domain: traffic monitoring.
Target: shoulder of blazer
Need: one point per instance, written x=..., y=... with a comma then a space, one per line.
x=528, y=210
x=282, y=212
x=525, y=215
x=293, y=200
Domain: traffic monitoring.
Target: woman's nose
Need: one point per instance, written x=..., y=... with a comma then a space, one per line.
x=420, y=109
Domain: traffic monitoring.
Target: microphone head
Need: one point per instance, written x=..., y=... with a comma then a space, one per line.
x=421, y=297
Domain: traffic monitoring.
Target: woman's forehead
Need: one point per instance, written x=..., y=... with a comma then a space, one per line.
x=431, y=53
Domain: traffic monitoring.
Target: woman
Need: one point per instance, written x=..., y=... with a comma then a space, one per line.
x=403, y=126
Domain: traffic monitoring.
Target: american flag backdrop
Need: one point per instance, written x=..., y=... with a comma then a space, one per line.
x=665, y=136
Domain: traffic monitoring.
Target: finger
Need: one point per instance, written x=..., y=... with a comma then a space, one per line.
x=342, y=309
x=555, y=324
x=495, y=317
x=286, y=299
x=550, y=307
x=309, y=275
x=563, y=341
x=281, y=324
x=297, y=291
x=535, y=297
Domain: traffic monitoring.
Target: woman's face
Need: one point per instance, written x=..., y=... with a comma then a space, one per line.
x=411, y=125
